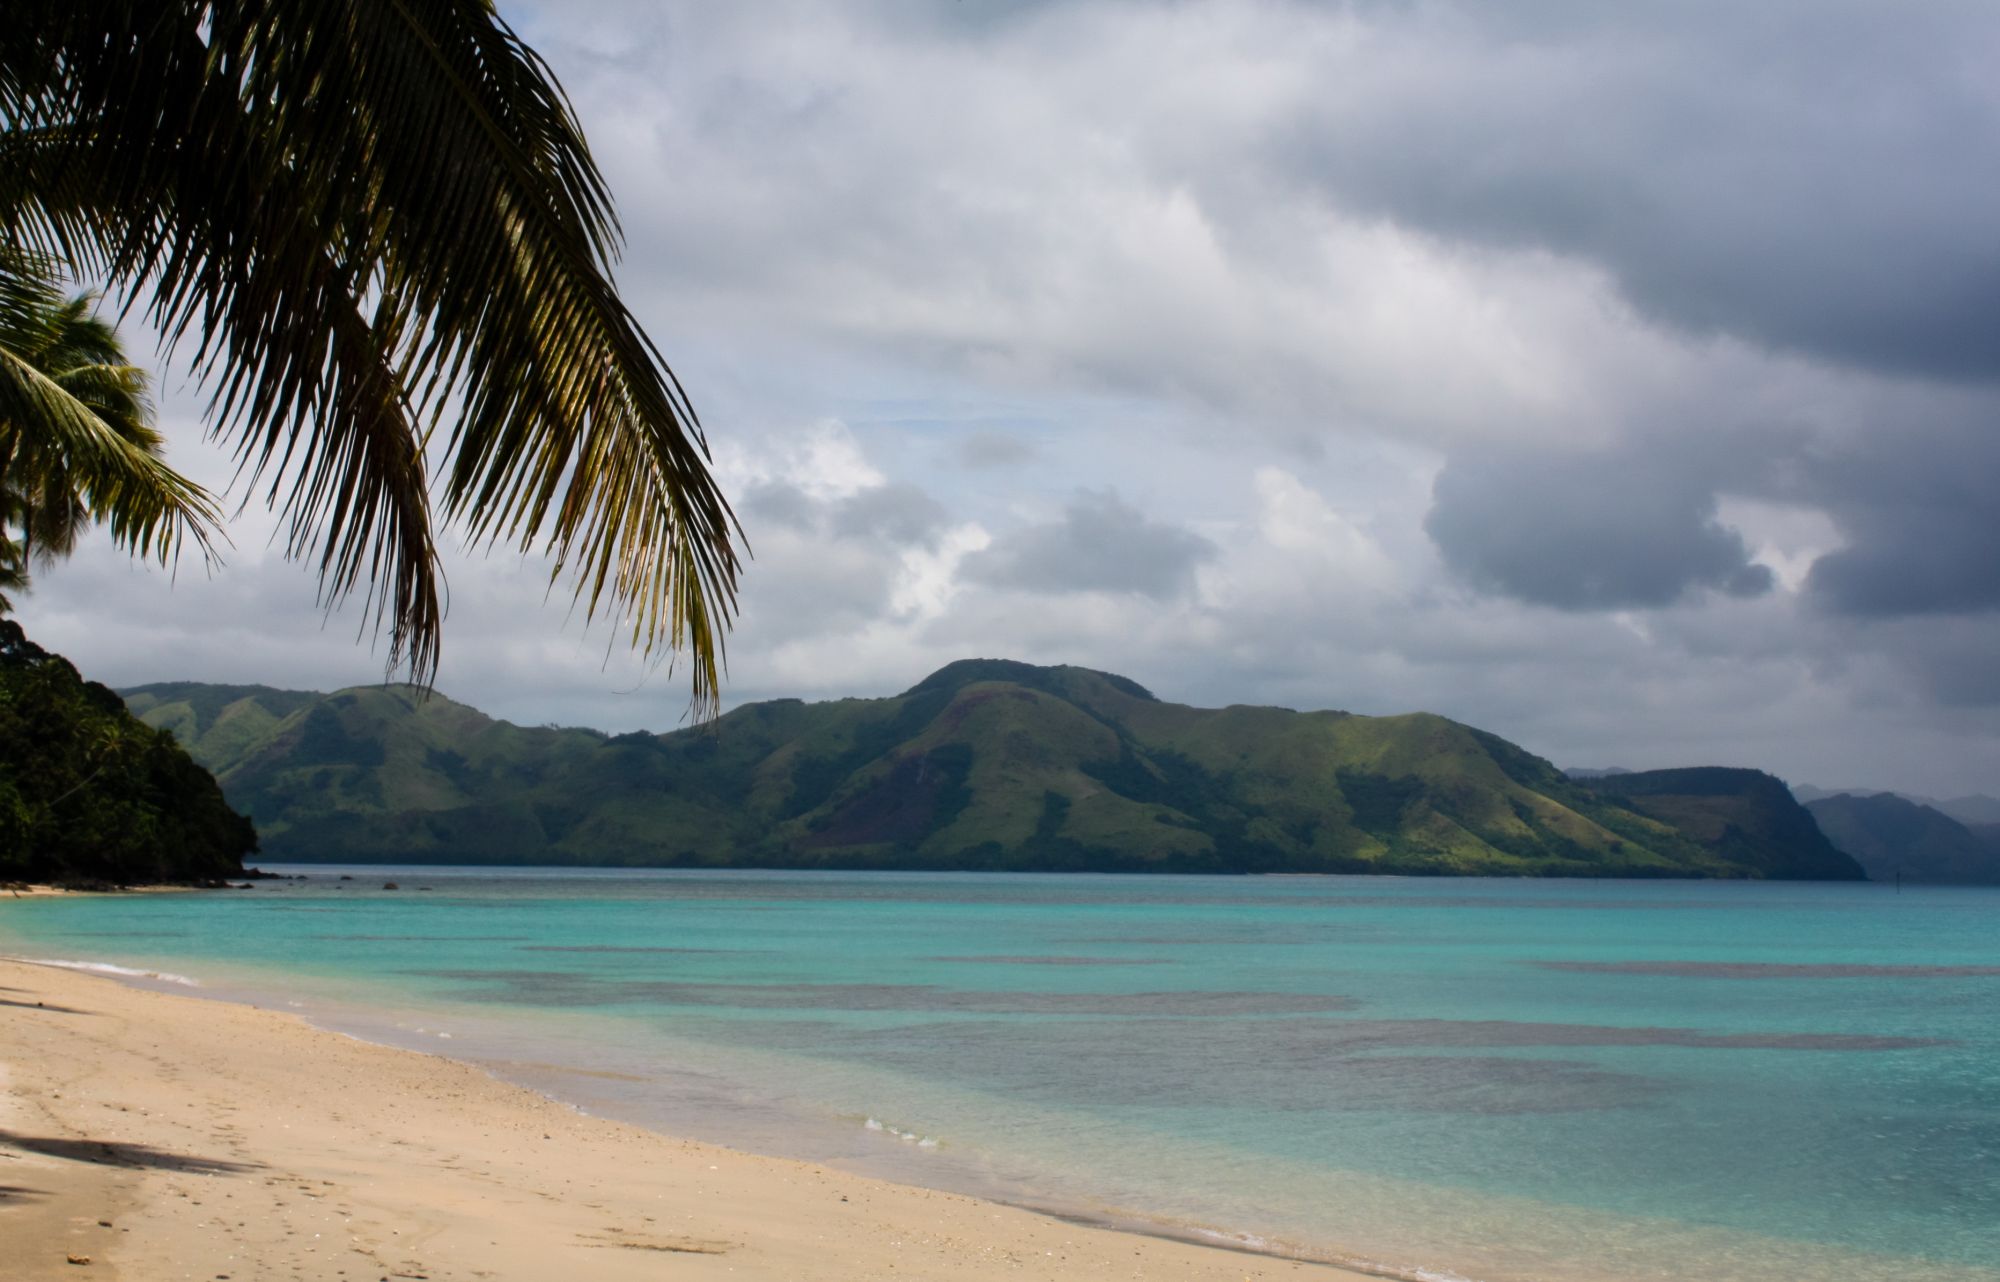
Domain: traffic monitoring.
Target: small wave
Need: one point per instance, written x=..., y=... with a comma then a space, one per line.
x=1406, y=1274
x=908, y=1137
x=1245, y=1241
x=106, y=968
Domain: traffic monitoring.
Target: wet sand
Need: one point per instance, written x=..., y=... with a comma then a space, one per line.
x=166, y=1137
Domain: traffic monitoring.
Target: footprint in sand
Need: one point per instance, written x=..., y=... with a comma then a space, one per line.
x=623, y=1241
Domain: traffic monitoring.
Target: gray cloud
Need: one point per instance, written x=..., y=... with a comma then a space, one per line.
x=1954, y=660
x=776, y=503
x=984, y=449
x=1925, y=562
x=1914, y=531
x=827, y=566
x=1100, y=544
x=1797, y=172
x=896, y=513
x=1587, y=532
x=1918, y=513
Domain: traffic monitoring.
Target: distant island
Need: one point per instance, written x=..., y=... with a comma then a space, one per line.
x=984, y=765
x=1897, y=838
x=1974, y=810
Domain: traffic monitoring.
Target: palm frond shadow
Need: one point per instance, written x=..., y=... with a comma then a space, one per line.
x=49, y=1006
x=123, y=1153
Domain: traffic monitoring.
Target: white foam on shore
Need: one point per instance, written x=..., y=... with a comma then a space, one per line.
x=908, y=1137
x=1407, y=1275
x=106, y=968
x=1242, y=1241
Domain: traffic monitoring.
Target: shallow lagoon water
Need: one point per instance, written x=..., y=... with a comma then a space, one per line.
x=1496, y=1080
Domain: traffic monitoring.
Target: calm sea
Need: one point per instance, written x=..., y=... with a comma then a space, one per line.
x=1493, y=1080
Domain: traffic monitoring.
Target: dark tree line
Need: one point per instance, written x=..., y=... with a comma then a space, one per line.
x=91, y=794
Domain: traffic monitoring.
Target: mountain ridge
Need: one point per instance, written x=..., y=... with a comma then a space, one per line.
x=984, y=764
x=1972, y=809
x=1897, y=839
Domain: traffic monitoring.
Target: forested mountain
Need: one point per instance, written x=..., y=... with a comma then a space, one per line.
x=986, y=764
x=91, y=794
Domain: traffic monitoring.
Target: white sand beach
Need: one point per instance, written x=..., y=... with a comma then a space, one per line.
x=145, y=1135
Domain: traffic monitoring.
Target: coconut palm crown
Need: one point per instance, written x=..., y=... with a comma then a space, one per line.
x=76, y=440
x=376, y=229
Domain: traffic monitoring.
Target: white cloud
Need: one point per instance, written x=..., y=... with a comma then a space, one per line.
x=1785, y=537
x=928, y=582
x=1298, y=522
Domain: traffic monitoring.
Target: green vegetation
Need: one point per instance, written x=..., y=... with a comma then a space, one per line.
x=1894, y=838
x=90, y=794
x=1745, y=816
x=982, y=765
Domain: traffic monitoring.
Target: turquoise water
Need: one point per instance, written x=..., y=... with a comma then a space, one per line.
x=1495, y=1080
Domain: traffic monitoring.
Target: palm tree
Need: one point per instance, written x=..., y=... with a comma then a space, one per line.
x=75, y=441
x=380, y=226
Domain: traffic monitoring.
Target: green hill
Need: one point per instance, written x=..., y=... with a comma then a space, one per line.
x=985, y=764
x=223, y=720
x=1745, y=816
x=1892, y=836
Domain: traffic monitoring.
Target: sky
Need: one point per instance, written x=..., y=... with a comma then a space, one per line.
x=1620, y=378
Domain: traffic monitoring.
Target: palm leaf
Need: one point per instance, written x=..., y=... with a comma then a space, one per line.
x=377, y=218
x=148, y=507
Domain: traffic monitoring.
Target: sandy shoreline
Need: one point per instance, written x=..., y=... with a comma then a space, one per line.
x=41, y=890
x=168, y=1137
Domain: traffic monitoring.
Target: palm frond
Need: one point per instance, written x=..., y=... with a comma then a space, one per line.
x=147, y=506
x=374, y=217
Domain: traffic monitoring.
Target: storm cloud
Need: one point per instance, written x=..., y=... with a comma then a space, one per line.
x=1797, y=173
x=1922, y=528
x=1588, y=532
